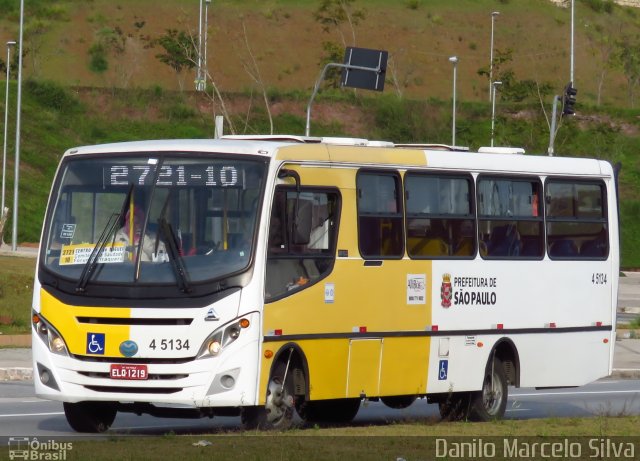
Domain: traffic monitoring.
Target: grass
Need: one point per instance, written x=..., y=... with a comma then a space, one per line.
x=407, y=440
x=16, y=290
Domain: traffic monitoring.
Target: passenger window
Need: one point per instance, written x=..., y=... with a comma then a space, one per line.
x=380, y=233
x=295, y=263
x=576, y=220
x=510, y=218
x=440, y=218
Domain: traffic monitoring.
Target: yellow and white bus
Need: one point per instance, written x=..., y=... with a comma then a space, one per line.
x=271, y=275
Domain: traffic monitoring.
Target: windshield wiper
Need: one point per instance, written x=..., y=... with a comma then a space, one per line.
x=174, y=255
x=115, y=219
x=177, y=264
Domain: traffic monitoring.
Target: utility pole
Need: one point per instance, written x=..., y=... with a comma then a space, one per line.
x=14, y=236
x=493, y=19
x=552, y=134
x=494, y=87
x=6, y=124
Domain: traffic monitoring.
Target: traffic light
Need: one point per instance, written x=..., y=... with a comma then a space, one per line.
x=569, y=99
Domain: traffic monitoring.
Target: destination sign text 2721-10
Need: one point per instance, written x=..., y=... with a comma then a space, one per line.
x=196, y=174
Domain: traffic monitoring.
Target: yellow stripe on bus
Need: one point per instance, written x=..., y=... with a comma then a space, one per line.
x=64, y=318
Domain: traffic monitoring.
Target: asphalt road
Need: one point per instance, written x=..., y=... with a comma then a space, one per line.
x=24, y=415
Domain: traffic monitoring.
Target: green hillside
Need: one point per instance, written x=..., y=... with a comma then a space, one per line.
x=277, y=45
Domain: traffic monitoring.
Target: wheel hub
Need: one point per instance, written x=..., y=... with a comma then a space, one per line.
x=278, y=401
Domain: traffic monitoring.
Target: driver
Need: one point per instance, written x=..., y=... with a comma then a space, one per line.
x=130, y=235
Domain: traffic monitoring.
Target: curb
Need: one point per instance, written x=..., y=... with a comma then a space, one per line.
x=626, y=373
x=16, y=374
x=15, y=340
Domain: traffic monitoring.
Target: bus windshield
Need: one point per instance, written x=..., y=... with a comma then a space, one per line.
x=153, y=219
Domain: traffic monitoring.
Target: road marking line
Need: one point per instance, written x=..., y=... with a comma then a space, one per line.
x=537, y=394
x=32, y=414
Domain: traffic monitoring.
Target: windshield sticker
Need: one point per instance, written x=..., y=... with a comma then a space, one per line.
x=68, y=230
x=79, y=254
x=416, y=289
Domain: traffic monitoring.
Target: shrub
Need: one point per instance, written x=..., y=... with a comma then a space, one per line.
x=412, y=4
x=51, y=95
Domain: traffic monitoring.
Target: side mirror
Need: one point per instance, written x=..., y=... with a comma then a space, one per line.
x=302, y=222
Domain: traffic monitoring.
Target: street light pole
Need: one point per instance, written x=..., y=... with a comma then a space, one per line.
x=199, y=86
x=494, y=87
x=454, y=61
x=206, y=29
x=14, y=236
x=493, y=18
x=572, y=16
x=6, y=122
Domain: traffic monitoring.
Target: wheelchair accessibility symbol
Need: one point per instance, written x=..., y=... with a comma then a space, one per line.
x=443, y=370
x=95, y=343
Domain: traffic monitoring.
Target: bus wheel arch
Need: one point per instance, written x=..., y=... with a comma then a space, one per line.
x=299, y=367
x=507, y=352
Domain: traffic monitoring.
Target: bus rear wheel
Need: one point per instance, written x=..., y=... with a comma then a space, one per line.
x=91, y=417
x=277, y=413
x=491, y=402
x=328, y=411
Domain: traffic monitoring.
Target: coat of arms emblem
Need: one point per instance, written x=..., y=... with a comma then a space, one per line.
x=446, y=291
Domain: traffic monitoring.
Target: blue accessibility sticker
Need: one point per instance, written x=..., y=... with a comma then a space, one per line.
x=443, y=370
x=95, y=343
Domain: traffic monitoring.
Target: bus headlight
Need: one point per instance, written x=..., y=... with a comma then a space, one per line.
x=221, y=338
x=49, y=335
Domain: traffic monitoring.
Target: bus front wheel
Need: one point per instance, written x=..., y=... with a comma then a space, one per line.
x=90, y=417
x=277, y=413
x=491, y=402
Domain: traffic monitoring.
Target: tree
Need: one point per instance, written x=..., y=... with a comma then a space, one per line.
x=513, y=89
x=124, y=47
x=34, y=37
x=333, y=13
x=253, y=70
x=602, y=43
x=627, y=56
x=333, y=52
x=179, y=52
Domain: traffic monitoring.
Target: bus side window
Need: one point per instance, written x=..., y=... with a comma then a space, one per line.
x=510, y=217
x=293, y=265
x=576, y=219
x=380, y=224
x=440, y=220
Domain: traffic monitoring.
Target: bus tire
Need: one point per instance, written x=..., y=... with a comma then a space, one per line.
x=277, y=413
x=455, y=407
x=491, y=402
x=329, y=411
x=398, y=402
x=91, y=417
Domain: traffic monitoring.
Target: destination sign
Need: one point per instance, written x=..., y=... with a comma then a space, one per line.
x=194, y=174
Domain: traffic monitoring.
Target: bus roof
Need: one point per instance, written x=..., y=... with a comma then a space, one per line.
x=358, y=151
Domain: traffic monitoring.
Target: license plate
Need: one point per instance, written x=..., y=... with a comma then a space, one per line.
x=119, y=371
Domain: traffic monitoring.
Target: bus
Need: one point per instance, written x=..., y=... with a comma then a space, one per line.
x=272, y=275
